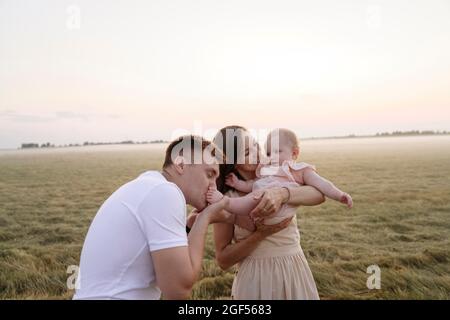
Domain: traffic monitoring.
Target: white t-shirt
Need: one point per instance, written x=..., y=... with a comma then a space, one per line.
x=144, y=215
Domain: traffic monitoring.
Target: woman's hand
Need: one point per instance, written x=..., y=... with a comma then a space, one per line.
x=271, y=201
x=267, y=230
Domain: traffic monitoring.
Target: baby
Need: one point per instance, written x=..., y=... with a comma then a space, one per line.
x=282, y=171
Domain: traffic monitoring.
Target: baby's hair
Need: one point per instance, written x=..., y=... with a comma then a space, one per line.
x=287, y=134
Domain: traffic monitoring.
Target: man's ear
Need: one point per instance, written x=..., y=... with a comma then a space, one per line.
x=179, y=165
x=295, y=152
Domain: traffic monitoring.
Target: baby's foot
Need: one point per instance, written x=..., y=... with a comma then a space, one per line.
x=244, y=221
x=346, y=199
x=213, y=195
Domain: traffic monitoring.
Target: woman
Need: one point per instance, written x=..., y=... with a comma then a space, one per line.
x=271, y=263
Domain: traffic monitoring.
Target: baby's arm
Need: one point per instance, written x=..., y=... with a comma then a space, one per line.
x=311, y=178
x=240, y=185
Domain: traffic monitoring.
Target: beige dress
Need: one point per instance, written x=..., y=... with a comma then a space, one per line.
x=276, y=270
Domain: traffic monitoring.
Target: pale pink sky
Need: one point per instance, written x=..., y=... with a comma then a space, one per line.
x=74, y=71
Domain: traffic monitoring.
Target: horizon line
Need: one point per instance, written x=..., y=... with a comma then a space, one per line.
x=34, y=145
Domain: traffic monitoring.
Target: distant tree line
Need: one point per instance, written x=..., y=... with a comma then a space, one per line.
x=36, y=145
x=379, y=134
x=410, y=133
x=87, y=143
x=29, y=145
x=386, y=134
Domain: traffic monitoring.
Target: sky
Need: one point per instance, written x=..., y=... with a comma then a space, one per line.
x=75, y=71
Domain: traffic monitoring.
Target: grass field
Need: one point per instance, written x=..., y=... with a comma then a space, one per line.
x=400, y=222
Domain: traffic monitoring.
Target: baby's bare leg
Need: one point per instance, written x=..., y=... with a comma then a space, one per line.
x=240, y=206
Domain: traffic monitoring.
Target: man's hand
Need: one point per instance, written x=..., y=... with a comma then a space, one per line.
x=215, y=212
x=191, y=218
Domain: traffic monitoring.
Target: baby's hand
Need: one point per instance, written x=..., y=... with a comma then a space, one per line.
x=231, y=180
x=346, y=199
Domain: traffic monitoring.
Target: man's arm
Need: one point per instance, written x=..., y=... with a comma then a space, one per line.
x=177, y=269
x=175, y=283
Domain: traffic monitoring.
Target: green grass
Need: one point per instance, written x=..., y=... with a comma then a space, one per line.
x=400, y=222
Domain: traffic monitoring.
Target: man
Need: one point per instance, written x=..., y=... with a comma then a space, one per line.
x=137, y=246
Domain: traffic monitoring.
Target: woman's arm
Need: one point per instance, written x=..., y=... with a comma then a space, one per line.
x=273, y=198
x=228, y=253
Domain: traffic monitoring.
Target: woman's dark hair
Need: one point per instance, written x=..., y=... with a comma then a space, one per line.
x=231, y=156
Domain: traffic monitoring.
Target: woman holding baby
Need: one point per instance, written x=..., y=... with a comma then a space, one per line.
x=271, y=263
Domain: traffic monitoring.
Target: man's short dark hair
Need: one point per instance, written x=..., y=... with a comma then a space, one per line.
x=197, y=146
